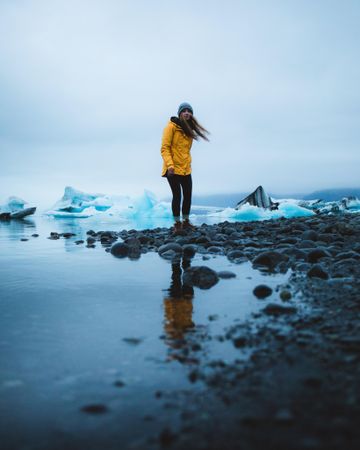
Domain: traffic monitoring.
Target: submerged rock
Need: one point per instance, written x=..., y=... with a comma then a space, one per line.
x=273, y=309
x=200, y=276
x=120, y=250
x=170, y=246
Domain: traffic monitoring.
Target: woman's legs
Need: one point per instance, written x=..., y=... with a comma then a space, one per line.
x=178, y=183
x=176, y=192
x=186, y=184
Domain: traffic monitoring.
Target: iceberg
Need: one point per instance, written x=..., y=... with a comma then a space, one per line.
x=347, y=204
x=245, y=213
x=258, y=198
x=14, y=209
x=75, y=201
x=78, y=204
x=147, y=211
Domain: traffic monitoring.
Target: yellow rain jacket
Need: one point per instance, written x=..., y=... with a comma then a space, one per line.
x=175, y=149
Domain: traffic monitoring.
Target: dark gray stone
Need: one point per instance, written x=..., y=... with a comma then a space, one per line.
x=170, y=246
x=316, y=254
x=235, y=255
x=269, y=259
x=317, y=272
x=262, y=291
x=200, y=276
x=309, y=235
x=273, y=309
x=120, y=250
x=189, y=250
x=214, y=249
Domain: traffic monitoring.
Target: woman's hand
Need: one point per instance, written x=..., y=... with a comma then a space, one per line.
x=170, y=171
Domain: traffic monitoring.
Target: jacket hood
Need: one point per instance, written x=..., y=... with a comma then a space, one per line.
x=176, y=121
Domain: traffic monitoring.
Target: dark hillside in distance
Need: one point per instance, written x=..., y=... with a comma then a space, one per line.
x=330, y=195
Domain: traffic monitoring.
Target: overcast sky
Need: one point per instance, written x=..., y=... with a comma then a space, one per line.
x=86, y=88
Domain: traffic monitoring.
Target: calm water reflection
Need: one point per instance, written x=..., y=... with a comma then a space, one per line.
x=75, y=321
x=178, y=304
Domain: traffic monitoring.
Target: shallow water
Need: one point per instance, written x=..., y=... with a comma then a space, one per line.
x=75, y=321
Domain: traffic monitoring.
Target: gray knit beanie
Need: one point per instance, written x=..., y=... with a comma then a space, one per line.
x=185, y=106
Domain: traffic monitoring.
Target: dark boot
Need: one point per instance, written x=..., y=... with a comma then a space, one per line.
x=177, y=228
x=187, y=225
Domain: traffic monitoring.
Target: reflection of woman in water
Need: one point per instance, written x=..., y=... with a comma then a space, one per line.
x=178, y=304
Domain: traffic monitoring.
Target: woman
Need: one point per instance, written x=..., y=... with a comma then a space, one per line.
x=175, y=150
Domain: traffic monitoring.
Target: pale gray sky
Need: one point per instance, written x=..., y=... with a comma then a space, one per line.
x=87, y=86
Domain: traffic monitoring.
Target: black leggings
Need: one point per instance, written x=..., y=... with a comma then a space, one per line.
x=178, y=182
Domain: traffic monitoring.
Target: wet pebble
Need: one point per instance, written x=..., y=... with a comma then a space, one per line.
x=285, y=295
x=262, y=291
x=317, y=272
x=273, y=309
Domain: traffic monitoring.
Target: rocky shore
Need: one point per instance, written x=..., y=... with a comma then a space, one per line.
x=298, y=387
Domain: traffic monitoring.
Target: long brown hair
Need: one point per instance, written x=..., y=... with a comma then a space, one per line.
x=193, y=129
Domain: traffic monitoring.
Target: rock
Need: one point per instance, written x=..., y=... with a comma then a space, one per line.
x=236, y=255
x=170, y=246
x=68, y=235
x=285, y=295
x=95, y=409
x=295, y=253
x=200, y=276
x=316, y=254
x=307, y=244
x=170, y=255
x=214, y=249
x=54, y=235
x=269, y=259
x=226, y=274
x=348, y=255
x=262, y=291
x=134, y=252
x=133, y=243
x=309, y=235
x=120, y=250
x=273, y=309
x=317, y=272
x=189, y=250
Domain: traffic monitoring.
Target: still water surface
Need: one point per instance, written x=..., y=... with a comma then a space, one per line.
x=80, y=327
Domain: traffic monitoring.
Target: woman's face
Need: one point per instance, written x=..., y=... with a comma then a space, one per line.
x=185, y=114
